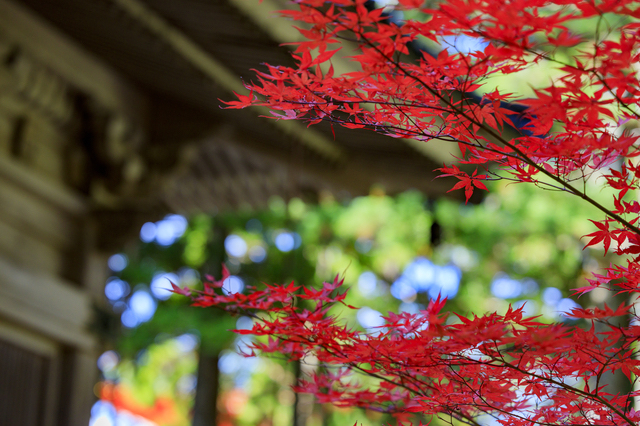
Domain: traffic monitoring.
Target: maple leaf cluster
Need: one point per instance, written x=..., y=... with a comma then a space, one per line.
x=519, y=370
x=580, y=125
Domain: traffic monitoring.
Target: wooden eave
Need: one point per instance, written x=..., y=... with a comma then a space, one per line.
x=184, y=56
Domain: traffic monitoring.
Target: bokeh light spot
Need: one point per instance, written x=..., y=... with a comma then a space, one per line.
x=369, y=318
x=551, y=296
x=529, y=286
x=244, y=323
x=530, y=307
x=178, y=223
x=118, y=262
x=411, y=308
x=108, y=361
x=462, y=43
x=403, y=290
x=446, y=282
x=165, y=233
x=116, y=289
x=129, y=318
x=285, y=241
x=235, y=245
x=229, y=362
x=187, y=342
x=257, y=254
x=161, y=284
x=142, y=305
x=102, y=414
x=565, y=306
x=420, y=273
x=367, y=283
x=505, y=287
x=232, y=285
x=148, y=232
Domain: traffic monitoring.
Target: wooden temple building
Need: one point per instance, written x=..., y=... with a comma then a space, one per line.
x=110, y=117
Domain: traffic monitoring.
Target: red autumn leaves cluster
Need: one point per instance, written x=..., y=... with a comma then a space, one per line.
x=580, y=126
x=522, y=371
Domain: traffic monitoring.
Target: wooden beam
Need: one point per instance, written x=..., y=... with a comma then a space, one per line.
x=69, y=60
x=218, y=193
x=200, y=59
x=364, y=170
x=238, y=180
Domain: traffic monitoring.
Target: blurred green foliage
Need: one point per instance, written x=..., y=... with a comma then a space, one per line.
x=517, y=231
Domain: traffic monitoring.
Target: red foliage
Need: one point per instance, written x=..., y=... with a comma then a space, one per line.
x=516, y=369
x=163, y=410
x=520, y=370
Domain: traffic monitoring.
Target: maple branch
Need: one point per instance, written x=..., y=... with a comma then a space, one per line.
x=547, y=57
x=503, y=411
x=493, y=407
x=572, y=389
x=592, y=71
x=393, y=130
x=500, y=138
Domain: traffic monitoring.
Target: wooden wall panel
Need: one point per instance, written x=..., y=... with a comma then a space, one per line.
x=29, y=377
x=44, y=148
x=45, y=304
x=29, y=253
x=68, y=124
x=37, y=218
x=34, y=233
x=23, y=385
